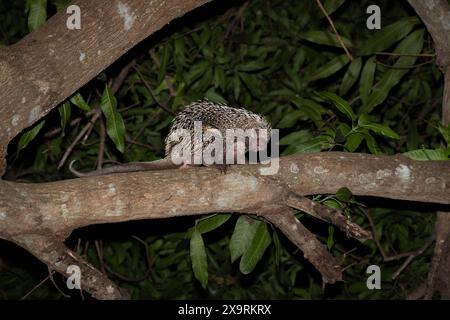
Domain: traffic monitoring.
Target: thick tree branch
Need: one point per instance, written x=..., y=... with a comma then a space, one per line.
x=50, y=64
x=436, y=16
x=53, y=210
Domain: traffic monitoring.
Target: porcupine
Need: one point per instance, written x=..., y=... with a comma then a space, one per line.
x=214, y=118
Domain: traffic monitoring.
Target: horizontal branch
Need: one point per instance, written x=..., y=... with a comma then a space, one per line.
x=61, y=206
x=53, y=210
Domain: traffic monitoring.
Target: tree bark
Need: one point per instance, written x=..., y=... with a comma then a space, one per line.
x=436, y=16
x=51, y=63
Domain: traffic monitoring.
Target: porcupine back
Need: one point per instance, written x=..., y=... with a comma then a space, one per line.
x=212, y=115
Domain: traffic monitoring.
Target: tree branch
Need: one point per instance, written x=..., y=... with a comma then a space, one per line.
x=53, y=210
x=436, y=15
x=50, y=64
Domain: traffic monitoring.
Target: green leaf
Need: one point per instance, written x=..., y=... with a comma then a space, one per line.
x=332, y=203
x=295, y=137
x=219, y=78
x=445, y=132
x=389, y=35
x=427, y=154
x=412, y=141
x=330, y=240
x=215, y=97
x=332, y=5
x=196, y=71
x=79, y=101
x=198, y=258
x=325, y=37
x=366, y=80
x=258, y=245
x=353, y=141
x=342, y=105
x=350, y=76
x=236, y=82
x=244, y=231
x=330, y=68
x=212, y=222
x=251, y=66
x=163, y=61
x=114, y=122
x=311, y=109
x=313, y=145
x=277, y=245
x=365, y=122
x=64, y=113
x=29, y=135
x=252, y=83
x=344, y=194
x=410, y=45
x=372, y=144
x=290, y=119
x=37, y=13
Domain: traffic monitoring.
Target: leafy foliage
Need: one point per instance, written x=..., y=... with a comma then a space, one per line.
x=280, y=59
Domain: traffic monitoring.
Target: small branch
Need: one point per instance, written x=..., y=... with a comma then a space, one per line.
x=122, y=76
x=409, y=255
x=431, y=55
x=56, y=256
x=149, y=89
x=327, y=214
x=37, y=286
x=168, y=78
x=101, y=149
x=313, y=249
x=347, y=52
x=129, y=279
x=50, y=273
x=79, y=137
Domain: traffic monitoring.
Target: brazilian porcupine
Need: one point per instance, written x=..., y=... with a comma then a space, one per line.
x=215, y=119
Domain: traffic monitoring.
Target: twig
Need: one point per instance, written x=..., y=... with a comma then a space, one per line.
x=409, y=255
x=101, y=149
x=347, y=52
x=122, y=76
x=140, y=144
x=239, y=15
x=50, y=273
x=284, y=219
x=97, y=112
x=36, y=286
x=129, y=279
x=80, y=136
x=441, y=233
x=99, y=249
x=403, y=67
x=147, y=256
x=151, y=92
x=168, y=78
x=327, y=214
x=406, y=54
